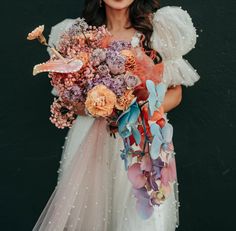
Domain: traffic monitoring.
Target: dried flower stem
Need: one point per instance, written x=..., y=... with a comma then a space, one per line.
x=57, y=54
x=43, y=41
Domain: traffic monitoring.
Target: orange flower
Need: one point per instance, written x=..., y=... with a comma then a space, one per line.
x=106, y=41
x=100, y=101
x=125, y=100
x=37, y=33
x=130, y=63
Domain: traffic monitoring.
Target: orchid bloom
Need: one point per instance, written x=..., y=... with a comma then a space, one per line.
x=127, y=122
x=143, y=204
x=156, y=95
x=162, y=138
x=168, y=173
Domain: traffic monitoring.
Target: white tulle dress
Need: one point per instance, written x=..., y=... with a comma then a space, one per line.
x=93, y=191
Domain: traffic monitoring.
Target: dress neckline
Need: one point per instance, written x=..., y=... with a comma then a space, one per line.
x=134, y=41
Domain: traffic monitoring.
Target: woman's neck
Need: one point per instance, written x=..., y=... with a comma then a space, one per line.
x=118, y=23
x=117, y=20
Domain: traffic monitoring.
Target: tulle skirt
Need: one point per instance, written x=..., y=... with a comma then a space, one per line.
x=93, y=192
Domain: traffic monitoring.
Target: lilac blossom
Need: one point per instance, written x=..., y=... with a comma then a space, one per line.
x=73, y=94
x=119, y=46
x=119, y=86
x=116, y=63
x=131, y=80
x=157, y=165
x=103, y=70
x=98, y=56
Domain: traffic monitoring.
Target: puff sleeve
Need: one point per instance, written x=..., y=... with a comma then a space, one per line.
x=174, y=35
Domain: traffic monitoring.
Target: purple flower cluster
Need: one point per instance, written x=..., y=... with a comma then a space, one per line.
x=119, y=46
x=98, y=56
x=117, y=84
x=110, y=68
x=114, y=60
x=116, y=63
x=73, y=94
x=103, y=70
x=78, y=26
x=131, y=80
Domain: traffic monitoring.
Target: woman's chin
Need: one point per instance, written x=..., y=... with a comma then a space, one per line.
x=118, y=4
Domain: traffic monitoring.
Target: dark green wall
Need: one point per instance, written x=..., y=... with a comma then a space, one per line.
x=204, y=135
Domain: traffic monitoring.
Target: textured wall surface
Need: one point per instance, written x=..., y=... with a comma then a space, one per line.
x=204, y=123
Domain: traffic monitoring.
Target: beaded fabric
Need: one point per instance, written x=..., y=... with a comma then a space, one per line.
x=93, y=192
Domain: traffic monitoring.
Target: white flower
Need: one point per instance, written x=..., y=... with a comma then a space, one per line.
x=135, y=41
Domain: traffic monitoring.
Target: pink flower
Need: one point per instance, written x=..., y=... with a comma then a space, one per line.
x=146, y=163
x=144, y=206
x=63, y=114
x=136, y=176
x=168, y=173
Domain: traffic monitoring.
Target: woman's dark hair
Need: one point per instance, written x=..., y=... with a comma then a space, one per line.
x=140, y=11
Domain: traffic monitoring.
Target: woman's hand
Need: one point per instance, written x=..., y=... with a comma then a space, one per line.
x=173, y=98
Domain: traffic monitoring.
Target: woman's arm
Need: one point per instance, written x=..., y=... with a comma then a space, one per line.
x=173, y=98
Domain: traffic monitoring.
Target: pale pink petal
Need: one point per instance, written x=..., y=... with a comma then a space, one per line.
x=146, y=163
x=172, y=169
x=144, y=209
x=165, y=176
x=60, y=66
x=136, y=176
x=168, y=173
x=166, y=189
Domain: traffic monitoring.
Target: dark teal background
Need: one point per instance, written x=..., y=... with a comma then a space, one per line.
x=204, y=123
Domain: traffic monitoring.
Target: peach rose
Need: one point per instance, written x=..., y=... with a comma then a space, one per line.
x=125, y=100
x=100, y=101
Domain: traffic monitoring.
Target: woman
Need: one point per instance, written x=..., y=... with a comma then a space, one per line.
x=93, y=192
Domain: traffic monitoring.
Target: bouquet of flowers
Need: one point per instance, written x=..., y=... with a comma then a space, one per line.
x=121, y=83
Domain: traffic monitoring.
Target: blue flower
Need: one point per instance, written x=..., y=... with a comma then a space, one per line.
x=156, y=95
x=127, y=122
x=126, y=153
x=162, y=137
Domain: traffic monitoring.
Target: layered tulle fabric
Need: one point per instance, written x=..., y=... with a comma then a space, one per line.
x=93, y=192
x=174, y=36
